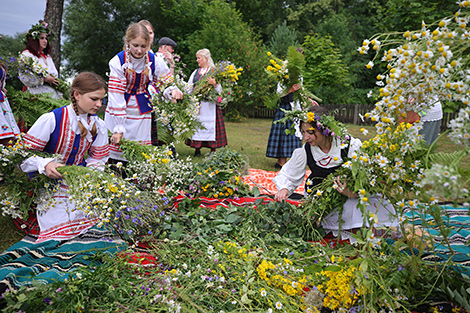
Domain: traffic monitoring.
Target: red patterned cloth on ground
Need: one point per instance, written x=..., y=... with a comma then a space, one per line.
x=264, y=181
x=214, y=203
x=30, y=226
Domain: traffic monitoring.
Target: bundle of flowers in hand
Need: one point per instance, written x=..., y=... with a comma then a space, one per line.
x=177, y=119
x=36, y=71
x=287, y=73
x=112, y=201
x=156, y=169
x=19, y=191
x=424, y=65
x=226, y=74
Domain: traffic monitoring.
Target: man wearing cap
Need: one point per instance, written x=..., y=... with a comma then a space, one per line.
x=165, y=50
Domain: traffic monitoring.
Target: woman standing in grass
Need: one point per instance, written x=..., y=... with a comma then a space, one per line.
x=128, y=113
x=72, y=132
x=213, y=134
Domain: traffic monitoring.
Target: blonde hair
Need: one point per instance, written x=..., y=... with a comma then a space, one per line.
x=147, y=23
x=134, y=31
x=86, y=82
x=205, y=53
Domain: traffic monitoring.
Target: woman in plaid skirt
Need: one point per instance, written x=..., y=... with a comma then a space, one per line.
x=281, y=145
x=213, y=134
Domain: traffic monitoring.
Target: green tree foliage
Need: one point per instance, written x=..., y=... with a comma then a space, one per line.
x=326, y=75
x=394, y=17
x=94, y=31
x=264, y=16
x=281, y=40
x=229, y=38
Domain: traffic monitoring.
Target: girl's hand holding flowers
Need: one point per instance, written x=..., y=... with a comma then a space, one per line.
x=51, y=80
x=51, y=170
x=211, y=81
x=116, y=138
x=343, y=189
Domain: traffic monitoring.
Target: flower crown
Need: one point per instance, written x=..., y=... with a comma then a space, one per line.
x=327, y=124
x=36, y=30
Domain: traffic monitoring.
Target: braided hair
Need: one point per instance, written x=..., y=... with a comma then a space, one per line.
x=86, y=82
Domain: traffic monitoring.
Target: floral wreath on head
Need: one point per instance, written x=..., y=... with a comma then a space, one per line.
x=36, y=30
x=325, y=123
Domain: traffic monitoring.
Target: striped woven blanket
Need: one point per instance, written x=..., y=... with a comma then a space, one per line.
x=456, y=244
x=27, y=263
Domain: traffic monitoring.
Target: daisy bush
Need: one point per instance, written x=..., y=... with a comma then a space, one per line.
x=424, y=65
x=177, y=119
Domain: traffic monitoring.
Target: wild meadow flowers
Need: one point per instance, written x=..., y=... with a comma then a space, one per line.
x=226, y=74
x=20, y=191
x=177, y=119
x=286, y=73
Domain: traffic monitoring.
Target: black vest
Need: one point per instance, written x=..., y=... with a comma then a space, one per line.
x=319, y=173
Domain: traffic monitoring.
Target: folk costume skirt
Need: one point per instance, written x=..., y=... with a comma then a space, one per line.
x=281, y=145
x=220, y=134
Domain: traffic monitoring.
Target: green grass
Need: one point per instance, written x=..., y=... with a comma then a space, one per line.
x=250, y=138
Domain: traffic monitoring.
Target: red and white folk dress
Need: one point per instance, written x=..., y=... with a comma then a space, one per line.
x=129, y=107
x=58, y=132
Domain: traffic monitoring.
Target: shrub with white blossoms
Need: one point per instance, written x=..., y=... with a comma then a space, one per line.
x=444, y=181
x=177, y=120
x=423, y=66
x=460, y=127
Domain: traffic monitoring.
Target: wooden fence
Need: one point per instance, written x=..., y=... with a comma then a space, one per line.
x=346, y=113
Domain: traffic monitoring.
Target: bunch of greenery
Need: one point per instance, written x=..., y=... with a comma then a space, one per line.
x=156, y=169
x=286, y=73
x=177, y=120
x=19, y=190
x=226, y=74
x=220, y=176
x=27, y=108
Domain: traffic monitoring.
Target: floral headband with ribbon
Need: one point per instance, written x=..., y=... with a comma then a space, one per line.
x=38, y=29
x=325, y=123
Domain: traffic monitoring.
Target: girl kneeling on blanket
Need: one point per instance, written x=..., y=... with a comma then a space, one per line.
x=72, y=132
x=323, y=154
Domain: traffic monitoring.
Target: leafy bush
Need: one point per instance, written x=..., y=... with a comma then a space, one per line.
x=229, y=38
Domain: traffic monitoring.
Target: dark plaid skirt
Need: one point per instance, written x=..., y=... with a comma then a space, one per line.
x=220, y=135
x=154, y=131
x=281, y=145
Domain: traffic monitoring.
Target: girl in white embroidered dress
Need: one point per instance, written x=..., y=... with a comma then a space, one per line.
x=38, y=49
x=71, y=131
x=128, y=112
x=323, y=154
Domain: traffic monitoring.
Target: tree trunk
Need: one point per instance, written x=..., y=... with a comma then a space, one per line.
x=53, y=16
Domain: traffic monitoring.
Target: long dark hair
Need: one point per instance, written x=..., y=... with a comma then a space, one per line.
x=33, y=46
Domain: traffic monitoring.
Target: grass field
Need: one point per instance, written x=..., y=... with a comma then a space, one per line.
x=248, y=137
